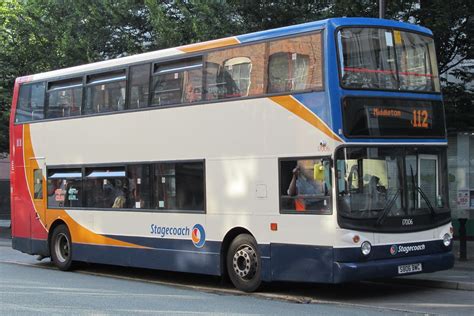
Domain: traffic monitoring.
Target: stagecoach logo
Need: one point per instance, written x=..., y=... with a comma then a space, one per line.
x=198, y=234
x=394, y=249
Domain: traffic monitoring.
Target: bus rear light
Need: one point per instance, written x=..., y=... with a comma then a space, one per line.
x=273, y=226
x=356, y=239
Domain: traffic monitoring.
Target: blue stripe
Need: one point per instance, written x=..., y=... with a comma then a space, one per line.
x=334, y=23
x=162, y=259
x=282, y=31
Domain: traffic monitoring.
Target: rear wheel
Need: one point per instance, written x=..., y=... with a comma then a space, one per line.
x=61, y=248
x=243, y=263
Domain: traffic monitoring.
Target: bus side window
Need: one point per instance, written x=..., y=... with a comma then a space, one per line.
x=64, y=98
x=305, y=186
x=295, y=64
x=177, y=82
x=235, y=72
x=30, y=102
x=139, y=86
x=179, y=186
x=64, y=188
x=105, y=92
x=106, y=187
x=139, y=186
x=38, y=183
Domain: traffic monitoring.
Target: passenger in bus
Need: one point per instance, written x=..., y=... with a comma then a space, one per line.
x=119, y=191
x=307, y=180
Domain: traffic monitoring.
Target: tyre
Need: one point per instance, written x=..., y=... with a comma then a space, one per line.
x=244, y=264
x=61, y=248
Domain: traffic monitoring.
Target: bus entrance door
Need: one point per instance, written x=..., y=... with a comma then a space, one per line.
x=36, y=169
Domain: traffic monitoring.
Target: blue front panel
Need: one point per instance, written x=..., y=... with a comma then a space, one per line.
x=392, y=251
x=322, y=264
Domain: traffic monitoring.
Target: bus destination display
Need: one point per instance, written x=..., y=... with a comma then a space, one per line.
x=377, y=117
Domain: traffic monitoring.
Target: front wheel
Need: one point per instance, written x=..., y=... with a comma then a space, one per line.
x=61, y=248
x=244, y=264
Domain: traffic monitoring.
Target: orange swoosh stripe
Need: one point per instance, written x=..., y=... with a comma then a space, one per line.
x=209, y=45
x=82, y=235
x=295, y=107
x=30, y=165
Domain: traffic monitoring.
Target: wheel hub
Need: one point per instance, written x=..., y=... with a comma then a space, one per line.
x=245, y=262
x=62, y=247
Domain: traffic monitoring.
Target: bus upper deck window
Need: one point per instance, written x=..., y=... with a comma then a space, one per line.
x=235, y=72
x=64, y=98
x=139, y=86
x=30, y=105
x=105, y=92
x=177, y=82
x=295, y=64
x=381, y=58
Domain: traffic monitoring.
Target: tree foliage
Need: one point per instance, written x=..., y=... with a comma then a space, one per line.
x=43, y=35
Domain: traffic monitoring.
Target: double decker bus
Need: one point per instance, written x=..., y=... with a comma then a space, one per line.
x=309, y=153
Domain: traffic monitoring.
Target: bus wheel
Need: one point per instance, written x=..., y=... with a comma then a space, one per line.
x=61, y=248
x=243, y=263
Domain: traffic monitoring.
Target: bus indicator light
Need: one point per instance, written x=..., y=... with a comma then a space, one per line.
x=274, y=227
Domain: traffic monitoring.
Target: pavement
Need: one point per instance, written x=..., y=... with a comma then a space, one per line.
x=460, y=277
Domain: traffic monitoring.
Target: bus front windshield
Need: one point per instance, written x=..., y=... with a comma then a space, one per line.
x=377, y=58
x=381, y=182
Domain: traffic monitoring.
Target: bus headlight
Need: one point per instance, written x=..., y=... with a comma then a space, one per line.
x=366, y=247
x=447, y=240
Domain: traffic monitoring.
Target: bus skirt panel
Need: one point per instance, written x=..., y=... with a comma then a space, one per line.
x=31, y=246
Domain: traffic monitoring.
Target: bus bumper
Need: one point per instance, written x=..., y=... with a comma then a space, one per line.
x=386, y=268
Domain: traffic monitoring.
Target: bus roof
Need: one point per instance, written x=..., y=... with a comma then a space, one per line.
x=333, y=23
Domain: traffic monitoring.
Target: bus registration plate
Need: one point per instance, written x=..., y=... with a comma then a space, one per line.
x=409, y=268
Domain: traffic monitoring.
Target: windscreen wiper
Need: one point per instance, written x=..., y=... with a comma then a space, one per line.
x=422, y=193
x=428, y=203
x=387, y=208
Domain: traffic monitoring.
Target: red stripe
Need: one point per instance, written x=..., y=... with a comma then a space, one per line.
x=366, y=70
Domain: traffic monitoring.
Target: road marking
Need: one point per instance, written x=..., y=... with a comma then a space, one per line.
x=95, y=294
x=58, y=309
